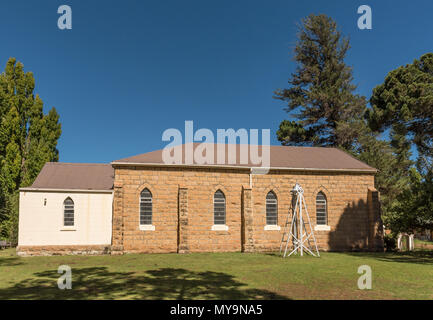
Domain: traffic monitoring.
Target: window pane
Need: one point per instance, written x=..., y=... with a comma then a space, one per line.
x=146, y=207
x=271, y=209
x=68, y=212
x=321, y=209
x=219, y=208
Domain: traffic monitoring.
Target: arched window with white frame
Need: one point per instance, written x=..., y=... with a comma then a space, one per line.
x=145, y=207
x=219, y=208
x=321, y=209
x=271, y=208
x=68, y=212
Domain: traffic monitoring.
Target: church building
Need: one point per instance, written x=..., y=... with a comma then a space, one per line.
x=142, y=204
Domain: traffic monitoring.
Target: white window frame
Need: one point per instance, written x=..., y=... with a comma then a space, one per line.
x=323, y=226
x=71, y=227
x=271, y=227
x=219, y=226
x=145, y=227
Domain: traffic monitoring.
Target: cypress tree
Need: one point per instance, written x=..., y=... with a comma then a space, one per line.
x=28, y=139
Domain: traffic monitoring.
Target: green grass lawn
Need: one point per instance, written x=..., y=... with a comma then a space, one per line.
x=218, y=276
x=422, y=242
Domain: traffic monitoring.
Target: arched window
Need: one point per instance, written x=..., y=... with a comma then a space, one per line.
x=68, y=212
x=271, y=209
x=321, y=209
x=145, y=207
x=219, y=208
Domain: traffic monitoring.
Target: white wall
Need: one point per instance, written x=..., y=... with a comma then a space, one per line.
x=41, y=224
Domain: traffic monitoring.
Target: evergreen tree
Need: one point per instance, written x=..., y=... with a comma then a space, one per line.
x=327, y=112
x=403, y=104
x=321, y=94
x=28, y=139
x=414, y=206
x=392, y=176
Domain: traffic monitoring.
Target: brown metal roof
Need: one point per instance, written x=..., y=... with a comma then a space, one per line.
x=285, y=157
x=82, y=176
x=94, y=176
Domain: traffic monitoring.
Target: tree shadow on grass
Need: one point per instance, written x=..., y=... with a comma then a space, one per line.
x=165, y=283
x=9, y=261
x=419, y=257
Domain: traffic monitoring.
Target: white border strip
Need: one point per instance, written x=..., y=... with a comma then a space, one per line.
x=121, y=164
x=64, y=190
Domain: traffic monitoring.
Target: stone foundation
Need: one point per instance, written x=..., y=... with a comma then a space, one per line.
x=25, y=251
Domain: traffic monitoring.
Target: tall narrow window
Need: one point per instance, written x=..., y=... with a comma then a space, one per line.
x=68, y=212
x=219, y=207
x=271, y=209
x=321, y=209
x=145, y=207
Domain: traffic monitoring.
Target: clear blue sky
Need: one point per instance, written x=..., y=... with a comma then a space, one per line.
x=128, y=70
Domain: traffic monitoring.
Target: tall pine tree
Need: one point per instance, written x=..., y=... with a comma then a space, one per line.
x=404, y=104
x=325, y=110
x=321, y=94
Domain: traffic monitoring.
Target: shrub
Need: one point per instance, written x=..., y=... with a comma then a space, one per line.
x=390, y=242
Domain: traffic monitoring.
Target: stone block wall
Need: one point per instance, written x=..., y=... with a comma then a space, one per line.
x=347, y=211
x=183, y=209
